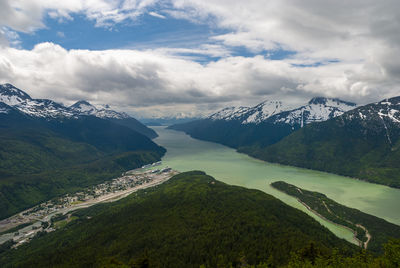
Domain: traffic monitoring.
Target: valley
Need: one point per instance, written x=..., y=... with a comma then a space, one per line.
x=191, y=220
x=185, y=153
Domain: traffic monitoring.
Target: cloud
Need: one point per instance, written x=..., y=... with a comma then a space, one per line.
x=60, y=34
x=28, y=15
x=9, y=37
x=154, y=14
x=344, y=49
x=148, y=81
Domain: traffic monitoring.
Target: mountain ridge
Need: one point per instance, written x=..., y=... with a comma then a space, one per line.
x=51, y=110
x=263, y=124
x=363, y=143
x=47, y=149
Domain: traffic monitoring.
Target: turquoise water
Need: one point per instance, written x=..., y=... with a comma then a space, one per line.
x=225, y=164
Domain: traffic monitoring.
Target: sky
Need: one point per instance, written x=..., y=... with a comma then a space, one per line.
x=188, y=58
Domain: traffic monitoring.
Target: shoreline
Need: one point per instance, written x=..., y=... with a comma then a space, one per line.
x=360, y=243
x=281, y=164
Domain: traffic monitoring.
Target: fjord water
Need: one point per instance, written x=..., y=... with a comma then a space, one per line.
x=225, y=164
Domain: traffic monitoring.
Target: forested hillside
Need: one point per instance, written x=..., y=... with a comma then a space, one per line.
x=41, y=159
x=189, y=221
x=362, y=143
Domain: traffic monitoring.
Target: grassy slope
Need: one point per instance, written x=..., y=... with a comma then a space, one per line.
x=188, y=221
x=380, y=230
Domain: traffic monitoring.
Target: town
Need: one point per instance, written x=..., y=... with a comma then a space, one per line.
x=55, y=213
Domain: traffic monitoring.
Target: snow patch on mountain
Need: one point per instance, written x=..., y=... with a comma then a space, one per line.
x=11, y=95
x=250, y=115
x=317, y=110
x=264, y=110
x=44, y=108
x=388, y=109
x=229, y=113
x=85, y=108
x=4, y=108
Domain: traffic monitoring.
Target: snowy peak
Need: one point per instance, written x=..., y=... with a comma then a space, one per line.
x=85, y=108
x=21, y=101
x=263, y=111
x=11, y=95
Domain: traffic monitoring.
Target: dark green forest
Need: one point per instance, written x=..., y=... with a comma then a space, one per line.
x=235, y=134
x=189, y=221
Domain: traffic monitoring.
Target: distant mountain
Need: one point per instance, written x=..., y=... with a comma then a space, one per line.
x=192, y=220
x=47, y=149
x=248, y=115
x=166, y=121
x=85, y=108
x=263, y=124
x=362, y=143
x=42, y=108
x=50, y=110
x=317, y=110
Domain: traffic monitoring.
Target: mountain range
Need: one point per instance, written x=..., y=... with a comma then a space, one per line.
x=326, y=134
x=263, y=124
x=48, y=149
x=51, y=110
x=362, y=143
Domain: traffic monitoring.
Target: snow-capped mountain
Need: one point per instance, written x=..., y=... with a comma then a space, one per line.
x=12, y=98
x=363, y=143
x=85, y=108
x=11, y=95
x=43, y=108
x=247, y=115
x=380, y=119
x=387, y=110
x=318, y=109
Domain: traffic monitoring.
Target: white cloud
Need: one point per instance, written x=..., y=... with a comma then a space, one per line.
x=154, y=14
x=363, y=36
x=28, y=15
x=148, y=81
x=61, y=34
